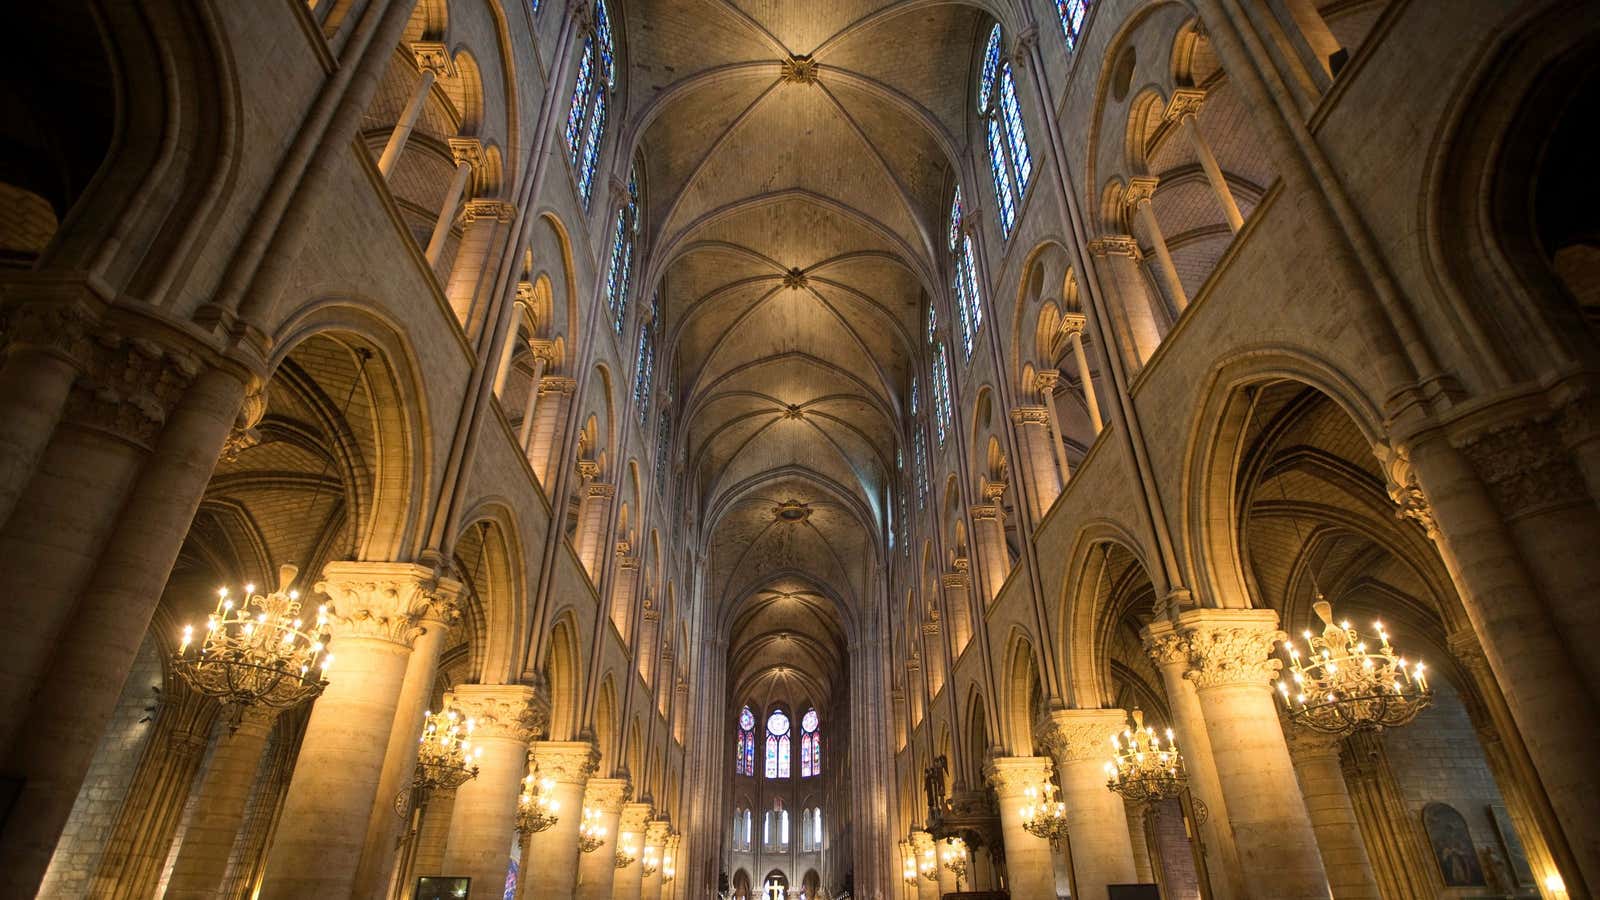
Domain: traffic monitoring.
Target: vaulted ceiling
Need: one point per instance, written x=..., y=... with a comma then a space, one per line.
x=798, y=163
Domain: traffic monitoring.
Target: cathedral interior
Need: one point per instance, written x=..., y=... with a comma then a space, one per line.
x=886, y=449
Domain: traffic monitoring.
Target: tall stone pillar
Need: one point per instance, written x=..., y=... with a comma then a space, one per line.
x=1398, y=850
x=1140, y=193
x=483, y=826
x=923, y=850
x=623, y=584
x=544, y=439
x=468, y=154
x=203, y=857
x=1030, y=865
x=1138, y=325
x=554, y=851
x=1333, y=818
x=593, y=516
x=1074, y=325
x=542, y=351
x=1047, y=382
x=433, y=60
x=433, y=835
x=374, y=608
x=1045, y=470
x=1139, y=839
x=631, y=825
x=957, y=586
x=656, y=834
x=1102, y=854
x=1170, y=653
x=1184, y=109
x=1231, y=668
x=989, y=534
x=378, y=857
x=597, y=870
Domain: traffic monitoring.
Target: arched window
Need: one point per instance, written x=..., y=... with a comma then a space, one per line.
x=778, y=746
x=941, y=392
x=964, y=278
x=816, y=833
x=620, y=276
x=919, y=449
x=744, y=754
x=1010, y=161
x=1072, y=13
x=586, y=120
x=775, y=826
x=810, y=745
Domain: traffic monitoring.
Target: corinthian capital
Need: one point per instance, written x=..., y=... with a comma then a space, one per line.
x=1231, y=646
x=635, y=816
x=1409, y=500
x=514, y=711
x=1078, y=735
x=566, y=762
x=384, y=600
x=1185, y=103
x=1011, y=776
x=607, y=795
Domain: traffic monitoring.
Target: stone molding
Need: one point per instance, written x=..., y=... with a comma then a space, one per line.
x=1011, y=776
x=558, y=384
x=1307, y=744
x=432, y=56
x=1403, y=488
x=798, y=69
x=1115, y=245
x=987, y=511
x=1074, y=323
x=954, y=581
x=1027, y=39
x=1525, y=465
x=601, y=490
x=566, y=762
x=385, y=600
x=1141, y=188
x=607, y=795
x=467, y=150
x=1164, y=645
x=1030, y=415
x=126, y=387
x=1185, y=103
x=244, y=435
x=635, y=818
x=1231, y=646
x=512, y=711
x=498, y=210
x=796, y=280
x=1081, y=735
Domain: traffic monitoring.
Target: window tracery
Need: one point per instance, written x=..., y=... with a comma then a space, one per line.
x=810, y=745
x=1072, y=13
x=777, y=765
x=744, y=759
x=620, y=275
x=1010, y=160
x=941, y=392
x=964, y=279
x=586, y=119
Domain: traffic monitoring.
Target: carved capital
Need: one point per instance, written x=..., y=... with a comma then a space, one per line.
x=800, y=70
x=498, y=210
x=1027, y=39
x=543, y=348
x=1140, y=189
x=432, y=56
x=558, y=384
x=61, y=328
x=656, y=833
x=1468, y=651
x=244, y=435
x=1074, y=323
x=1525, y=465
x=1403, y=488
x=601, y=490
x=1030, y=415
x=1080, y=735
x=1046, y=382
x=467, y=150
x=993, y=491
x=1164, y=645
x=987, y=512
x=1011, y=776
x=635, y=817
x=513, y=711
x=930, y=628
x=381, y=600
x=565, y=762
x=961, y=565
x=1231, y=646
x=1115, y=245
x=128, y=386
x=955, y=581
x=1185, y=103
x=607, y=794
x=1305, y=744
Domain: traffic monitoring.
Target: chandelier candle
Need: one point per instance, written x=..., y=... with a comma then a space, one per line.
x=1341, y=685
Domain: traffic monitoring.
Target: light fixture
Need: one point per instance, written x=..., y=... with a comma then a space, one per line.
x=257, y=650
x=591, y=831
x=1141, y=769
x=909, y=872
x=929, y=867
x=625, y=855
x=1343, y=685
x=1043, y=816
x=536, y=809
x=953, y=854
x=445, y=755
x=649, y=866
x=668, y=871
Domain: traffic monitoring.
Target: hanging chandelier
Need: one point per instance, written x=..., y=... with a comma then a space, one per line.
x=668, y=871
x=536, y=808
x=1044, y=816
x=446, y=757
x=257, y=650
x=1343, y=685
x=1141, y=769
x=929, y=867
x=626, y=855
x=650, y=865
x=908, y=872
x=953, y=853
x=591, y=831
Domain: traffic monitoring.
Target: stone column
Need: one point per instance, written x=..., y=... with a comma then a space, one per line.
x=468, y=153
x=1184, y=110
x=593, y=515
x=1140, y=192
x=1231, y=668
x=1030, y=864
x=1044, y=472
x=1074, y=325
x=375, y=609
x=484, y=822
x=249, y=859
x=203, y=858
x=947, y=878
x=656, y=834
x=1138, y=327
x=623, y=584
x=631, y=825
x=433, y=836
x=597, y=870
x=544, y=441
x=432, y=61
x=1138, y=838
x=554, y=851
x=541, y=351
x=39, y=363
x=1333, y=818
x=378, y=857
x=989, y=535
x=1046, y=382
x=1102, y=854
x=1170, y=653
x=1396, y=846
x=958, y=606
x=921, y=847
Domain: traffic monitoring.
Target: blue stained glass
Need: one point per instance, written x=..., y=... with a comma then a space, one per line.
x=970, y=270
x=614, y=287
x=941, y=393
x=1072, y=13
x=602, y=27
x=783, y=772
x=955, y=218
x=933, y=322
x=1002, y=181
x=1021, y=158
x=772, y=757
x=645, y=355
x=534, y=6
x=580, y=100
x=919, y=449
x=958, y=293
x=591, y=146
x=991, y=64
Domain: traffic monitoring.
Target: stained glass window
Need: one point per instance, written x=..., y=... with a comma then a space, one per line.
x=913, y=396
x=580, y=99
x=745, y=751
x=1072, y=13
x=1010, y=161
x=1002, y=179
x=991, y=66
x=810, y=745
x=778, y=747
x=941, y=393
x=586, y=120
x=619, y=277
x=919, y=449
x=1016, y=135
x=964, y=279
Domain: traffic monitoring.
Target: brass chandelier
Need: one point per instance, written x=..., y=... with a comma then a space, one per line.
x=1141, y=769
x=446, y=758
x=257, y=651
x=1043, y=816
x=536, y=809
x=1343, y=685
x=591, y=831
